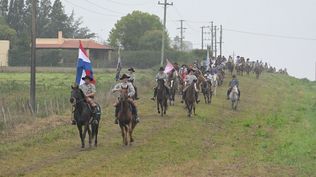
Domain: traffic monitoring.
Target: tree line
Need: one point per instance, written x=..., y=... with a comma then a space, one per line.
x=15, y=25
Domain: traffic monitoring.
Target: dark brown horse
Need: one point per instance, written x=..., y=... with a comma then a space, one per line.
x=190, y=99
x=207, y=92
x=162, y=97
x=125, y=117
x=83, y=116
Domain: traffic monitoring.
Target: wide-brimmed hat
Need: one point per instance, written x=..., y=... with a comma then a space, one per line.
x=87, y=77
x=161, y=69
x=131, y=69
x=124, y=76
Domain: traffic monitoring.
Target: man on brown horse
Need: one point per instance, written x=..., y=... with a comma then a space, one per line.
x=189, y=80
x=89, y=91
x=131, y=93
x=163, y=76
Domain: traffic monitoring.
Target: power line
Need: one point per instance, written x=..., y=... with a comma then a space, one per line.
x=92, y=11
x=101, y=7
x=271, y=35
x=128, y=4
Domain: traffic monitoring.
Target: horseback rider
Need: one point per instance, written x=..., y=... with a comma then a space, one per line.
x=189, y=80
x=89, y=91
x=131, y=79
x=232, y=83
x=131, y=92
x=164, y=76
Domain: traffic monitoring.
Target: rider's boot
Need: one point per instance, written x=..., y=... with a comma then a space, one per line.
x=136, y=93
x=73, y=122
x=155, y=94
x=135, y=113
x=228, y=92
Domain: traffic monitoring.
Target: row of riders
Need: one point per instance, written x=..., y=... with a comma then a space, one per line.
x=185, y=80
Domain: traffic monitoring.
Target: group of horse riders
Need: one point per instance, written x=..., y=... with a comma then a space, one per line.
x=187, y=74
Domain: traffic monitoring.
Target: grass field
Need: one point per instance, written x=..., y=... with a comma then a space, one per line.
x=272, y=134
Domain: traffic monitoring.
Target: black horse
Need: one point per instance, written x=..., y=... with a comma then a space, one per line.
x=162, y=97
x=84, y=116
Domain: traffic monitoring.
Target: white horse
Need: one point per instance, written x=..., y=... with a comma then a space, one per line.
x=214, y=83
x=234, y=97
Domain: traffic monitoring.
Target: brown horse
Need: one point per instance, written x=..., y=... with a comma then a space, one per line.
x=162, y=97
x=190, y=99
x=200, y=79
x=125, y=117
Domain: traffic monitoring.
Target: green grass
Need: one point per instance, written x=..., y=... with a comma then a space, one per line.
x=272, y=134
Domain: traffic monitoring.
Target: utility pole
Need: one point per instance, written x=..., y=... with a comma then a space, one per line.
x=215, y=42
x=203, y=32
x=221, y=41
x=165, y=4
x=212, y=39
x=181, y=34
x=33, y=59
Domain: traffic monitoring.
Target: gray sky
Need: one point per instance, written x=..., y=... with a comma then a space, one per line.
x=293, y=18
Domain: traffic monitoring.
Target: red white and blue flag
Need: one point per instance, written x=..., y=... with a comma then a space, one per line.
x=84, y=66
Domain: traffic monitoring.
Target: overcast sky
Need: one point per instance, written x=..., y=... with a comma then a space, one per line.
x=293, y=20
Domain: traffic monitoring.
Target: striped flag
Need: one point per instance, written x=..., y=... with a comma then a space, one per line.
x=118, y=66
x=169, y=67
x=207, y=60
x=84, y=66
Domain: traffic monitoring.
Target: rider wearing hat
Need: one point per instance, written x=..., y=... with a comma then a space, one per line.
x=190, y=79
x=131, y=92
x=89, y=91
x=131, y=79
x=161, y=75
x=232, y=83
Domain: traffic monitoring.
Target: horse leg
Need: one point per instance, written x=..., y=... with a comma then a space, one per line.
x=126, y=134
x=162, y=108
x=96, y=135
x=86, y=126
x=89, y=134
x=130, y=131
x=165, y=107
x=81, y=136
x=158, y=107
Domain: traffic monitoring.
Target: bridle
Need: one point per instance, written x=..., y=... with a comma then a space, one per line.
x=75, y=103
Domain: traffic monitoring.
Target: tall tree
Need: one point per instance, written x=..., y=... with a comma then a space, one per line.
x=58, y=20
x=4, y=7
x=16, y=16
x=43, y=18
x=130, y=28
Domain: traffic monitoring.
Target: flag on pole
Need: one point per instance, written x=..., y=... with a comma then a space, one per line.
x=84, y=66
x=207, y=60
x=119, y=65
x=169, y=67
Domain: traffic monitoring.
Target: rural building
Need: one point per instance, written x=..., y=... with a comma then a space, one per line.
x=4, y=52
x=96, y=51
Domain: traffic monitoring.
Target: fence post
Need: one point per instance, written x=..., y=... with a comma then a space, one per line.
x=4, y=118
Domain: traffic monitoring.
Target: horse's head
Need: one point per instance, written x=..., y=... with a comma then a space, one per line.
x=235, y=89
x=123, y=93
x=161, y=83
x=76, y=95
